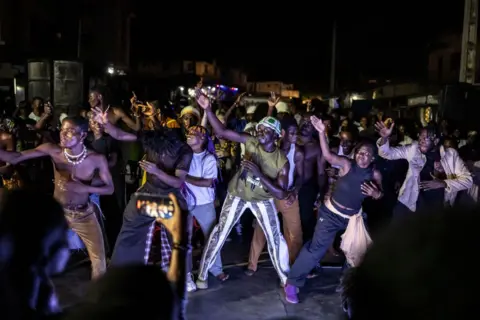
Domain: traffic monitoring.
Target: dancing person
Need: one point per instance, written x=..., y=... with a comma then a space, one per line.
x=33, y=248
x=357, y=180
x=96, y=99
x=167, y=163
x=78, y=172
x=292, y=227
x=314, y=176
x=435, y=174
x=201, y=181
x=263, y=176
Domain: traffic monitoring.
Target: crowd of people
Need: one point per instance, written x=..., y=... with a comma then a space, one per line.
x=323, y=171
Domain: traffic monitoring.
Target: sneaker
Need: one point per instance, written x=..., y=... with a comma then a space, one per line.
x=191, y=287
x=291, y=293
x=202, y=284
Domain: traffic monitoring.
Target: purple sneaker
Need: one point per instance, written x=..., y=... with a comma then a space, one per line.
x=291, y=293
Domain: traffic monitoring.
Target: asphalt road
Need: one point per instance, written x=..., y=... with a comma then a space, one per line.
x=241, y=297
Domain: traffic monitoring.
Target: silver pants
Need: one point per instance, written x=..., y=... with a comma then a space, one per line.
x=266, y=215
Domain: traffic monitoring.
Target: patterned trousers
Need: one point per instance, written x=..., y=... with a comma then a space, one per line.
x=266, y=215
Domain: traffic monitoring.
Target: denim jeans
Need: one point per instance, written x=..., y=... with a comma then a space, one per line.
x=327, y=226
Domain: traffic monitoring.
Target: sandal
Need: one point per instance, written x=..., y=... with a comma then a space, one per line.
x=249, y=272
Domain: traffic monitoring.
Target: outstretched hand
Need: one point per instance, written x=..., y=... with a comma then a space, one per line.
x=383, y=130
x=273, y=100
x=318, y=124
x=203, y=101
x=100, y=116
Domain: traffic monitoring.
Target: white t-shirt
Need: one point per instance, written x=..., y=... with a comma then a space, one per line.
x=204, y=166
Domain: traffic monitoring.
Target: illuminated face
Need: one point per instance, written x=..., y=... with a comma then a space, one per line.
x=265, y=134
x=364, y=156
x=94, y=99
x=189, y=120
x=290, y=136
x=425, y=143
x=346, y=142
x=195, y=137
x=70, y=135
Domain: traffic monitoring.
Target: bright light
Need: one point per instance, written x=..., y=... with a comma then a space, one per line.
x=191, y=92
x=213, y=89
x=110, y=70
x=355, y=97
x=181, y=88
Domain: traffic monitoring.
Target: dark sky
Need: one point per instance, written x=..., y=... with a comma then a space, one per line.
x=294, y=43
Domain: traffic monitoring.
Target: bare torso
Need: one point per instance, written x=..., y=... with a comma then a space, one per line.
x=6, y=143
x=65, y=172
x=311, y=153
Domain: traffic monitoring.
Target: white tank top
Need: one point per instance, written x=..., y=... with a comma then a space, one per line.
x=291, y=161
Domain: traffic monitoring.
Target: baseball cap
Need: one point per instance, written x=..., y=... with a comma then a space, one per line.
x=271, y=123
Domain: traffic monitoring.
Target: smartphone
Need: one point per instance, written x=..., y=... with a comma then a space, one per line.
x=154, y=206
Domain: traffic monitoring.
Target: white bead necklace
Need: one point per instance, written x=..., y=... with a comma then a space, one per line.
x=75, y=159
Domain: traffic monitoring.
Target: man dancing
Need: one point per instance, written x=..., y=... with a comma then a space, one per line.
x=75, y=168
x=264, y=176
x=167, y=164
x=314, y=177
x=292, y=227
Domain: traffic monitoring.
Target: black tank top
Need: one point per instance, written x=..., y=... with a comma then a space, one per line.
x=347, y=192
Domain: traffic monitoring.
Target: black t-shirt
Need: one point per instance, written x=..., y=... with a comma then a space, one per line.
x=431, y=197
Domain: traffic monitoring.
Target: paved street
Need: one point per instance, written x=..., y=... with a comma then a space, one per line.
x=241, y=297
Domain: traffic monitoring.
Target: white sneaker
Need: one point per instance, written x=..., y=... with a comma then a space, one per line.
x=191, y=287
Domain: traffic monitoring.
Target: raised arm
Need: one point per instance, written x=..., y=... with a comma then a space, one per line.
x=14, y=157
x=384, y=149
x=118, y=134
x=217, y=126
x=331, y=158
x=132, y=124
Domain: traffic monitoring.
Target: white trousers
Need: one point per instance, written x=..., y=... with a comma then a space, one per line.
x=266, y=215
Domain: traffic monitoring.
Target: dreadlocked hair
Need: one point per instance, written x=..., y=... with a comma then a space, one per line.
x=208, y=144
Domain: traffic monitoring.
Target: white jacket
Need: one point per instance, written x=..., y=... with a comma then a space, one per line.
x=458, y=176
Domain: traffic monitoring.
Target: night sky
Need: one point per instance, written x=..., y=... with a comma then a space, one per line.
x=294, y=44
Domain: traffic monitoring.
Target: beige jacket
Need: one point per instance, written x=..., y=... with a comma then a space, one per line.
x=458, y=176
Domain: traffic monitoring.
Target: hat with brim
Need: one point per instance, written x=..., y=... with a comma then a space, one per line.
x=272, y=123
x=190, y=110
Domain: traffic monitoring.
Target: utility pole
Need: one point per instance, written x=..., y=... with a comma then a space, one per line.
x=79, y=38
x=333, y=61
x=469, y=42
x=128, y=39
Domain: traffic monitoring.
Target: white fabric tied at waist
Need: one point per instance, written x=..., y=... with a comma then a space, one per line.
x=355, y=239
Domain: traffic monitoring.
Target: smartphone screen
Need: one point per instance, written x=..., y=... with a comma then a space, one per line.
x=154, y=206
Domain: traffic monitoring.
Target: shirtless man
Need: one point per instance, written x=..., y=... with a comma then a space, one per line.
x=114, y=114
x=75, y=168
x=314, y=176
